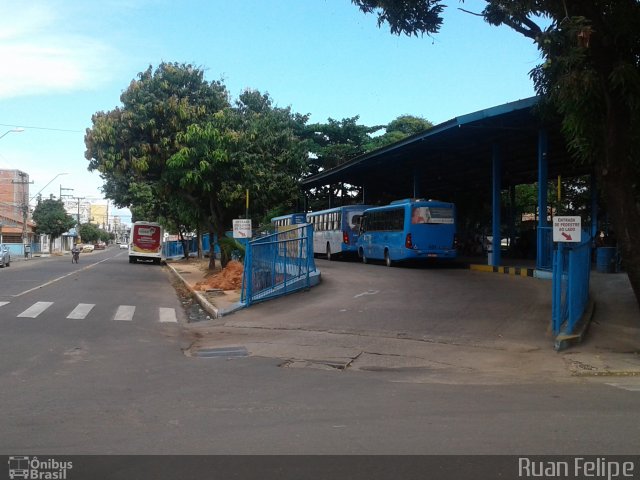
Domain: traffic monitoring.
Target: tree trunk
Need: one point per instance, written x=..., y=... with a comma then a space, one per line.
x=618, y=175
x=185, y=245
x=224, y=254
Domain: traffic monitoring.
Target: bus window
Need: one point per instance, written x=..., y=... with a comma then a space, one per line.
x=420, y=215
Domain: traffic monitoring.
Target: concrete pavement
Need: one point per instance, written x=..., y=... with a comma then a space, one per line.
x=469, y=337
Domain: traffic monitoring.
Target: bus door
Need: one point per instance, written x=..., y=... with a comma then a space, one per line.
x=352, y=222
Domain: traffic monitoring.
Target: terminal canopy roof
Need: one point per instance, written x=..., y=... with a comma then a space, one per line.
x=455, y=157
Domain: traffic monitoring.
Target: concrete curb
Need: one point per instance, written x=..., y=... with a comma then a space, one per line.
x=204, y=303
x=513, y=271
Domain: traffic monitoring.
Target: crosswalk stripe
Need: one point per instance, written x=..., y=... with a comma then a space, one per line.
x=81, y=311
x=125, y=313
x=36, y=309
x=168, y=315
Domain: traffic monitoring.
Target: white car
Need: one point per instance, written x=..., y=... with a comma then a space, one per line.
x=87, y=248
x=5, y=256
x=124, y=245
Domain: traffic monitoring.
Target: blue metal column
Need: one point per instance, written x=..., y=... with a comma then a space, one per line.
x=512, y=217
x=416, y=184
x=543, y=173
x=495, y=226
x=594, y=207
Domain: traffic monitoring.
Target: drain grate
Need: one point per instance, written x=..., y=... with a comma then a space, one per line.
x=224, y=352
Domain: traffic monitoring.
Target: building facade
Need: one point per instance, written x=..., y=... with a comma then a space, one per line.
x=15, y=224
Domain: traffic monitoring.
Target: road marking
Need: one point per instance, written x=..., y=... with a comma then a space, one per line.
x=3, y=304
x=125, y=313
x=632, y=387
x=36, y=309
x=168, y=315
x=60, y=278
x=81, y=311
x=368, y=292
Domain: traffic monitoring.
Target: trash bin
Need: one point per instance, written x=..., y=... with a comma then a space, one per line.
x=606, y=259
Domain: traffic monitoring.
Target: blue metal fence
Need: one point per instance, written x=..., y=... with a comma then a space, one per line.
x=278, y=264
x=571, y=274
x=175, y=249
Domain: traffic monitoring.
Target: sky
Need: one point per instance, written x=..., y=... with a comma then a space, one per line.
x=61, y=61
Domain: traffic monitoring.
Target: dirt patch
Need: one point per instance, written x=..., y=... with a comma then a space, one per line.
x=229, y=278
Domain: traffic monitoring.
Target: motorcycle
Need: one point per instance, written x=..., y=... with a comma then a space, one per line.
x=75, y=255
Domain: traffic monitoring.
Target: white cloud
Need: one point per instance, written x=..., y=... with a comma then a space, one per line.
x=39, y=54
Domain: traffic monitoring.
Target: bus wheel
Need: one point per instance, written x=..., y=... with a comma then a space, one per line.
x=328, y=252
x=387, y=258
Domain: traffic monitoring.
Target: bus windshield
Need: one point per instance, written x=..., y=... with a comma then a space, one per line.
x=434, y=215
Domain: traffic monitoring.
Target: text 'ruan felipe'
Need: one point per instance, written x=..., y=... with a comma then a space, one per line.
x=581, y=467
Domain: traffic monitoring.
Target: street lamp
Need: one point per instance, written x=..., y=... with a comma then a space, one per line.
x=13, y=130
x=50, y=182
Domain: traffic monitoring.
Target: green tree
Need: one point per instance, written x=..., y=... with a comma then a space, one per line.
x=90, y=233
x=252, y=146
x=131, y=144
x=590, y=76
x=402, y=127
x=52, y=219
x=331, y=144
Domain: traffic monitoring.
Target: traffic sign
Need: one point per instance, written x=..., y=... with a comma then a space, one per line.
x=567, y=229
x=242, y=228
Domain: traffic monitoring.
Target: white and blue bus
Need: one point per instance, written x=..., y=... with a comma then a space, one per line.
x=408, y=229
x=335, y=231
x=284, y=221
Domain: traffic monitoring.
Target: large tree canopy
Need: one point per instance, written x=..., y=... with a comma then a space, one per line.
x=590, y=76
x=131, y=144
x=251, y=147
x=179, y=152
x=402, y=127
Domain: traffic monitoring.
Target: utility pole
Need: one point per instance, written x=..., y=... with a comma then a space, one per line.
x=64, y=189
x=78, y=224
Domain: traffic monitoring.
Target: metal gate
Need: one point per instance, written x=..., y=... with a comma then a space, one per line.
x=278, y=264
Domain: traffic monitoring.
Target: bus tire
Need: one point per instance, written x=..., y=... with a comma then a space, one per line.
x=328, y=252
x=387, y=258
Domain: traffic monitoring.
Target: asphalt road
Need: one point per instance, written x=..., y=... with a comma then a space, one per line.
x=98, y=385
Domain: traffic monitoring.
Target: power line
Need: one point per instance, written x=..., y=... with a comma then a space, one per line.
x=42, y=128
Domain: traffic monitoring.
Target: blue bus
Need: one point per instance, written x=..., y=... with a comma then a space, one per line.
x=288, y=220
x=335, y=230
x=408, y=229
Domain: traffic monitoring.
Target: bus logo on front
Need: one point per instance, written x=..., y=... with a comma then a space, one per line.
x=18, y=467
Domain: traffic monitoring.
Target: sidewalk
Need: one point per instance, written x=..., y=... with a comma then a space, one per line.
x=215, y=302
x=611, y=348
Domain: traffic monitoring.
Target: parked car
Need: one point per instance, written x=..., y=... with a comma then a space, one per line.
x=5, y=256
x=100, y=246
x=87, y=248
